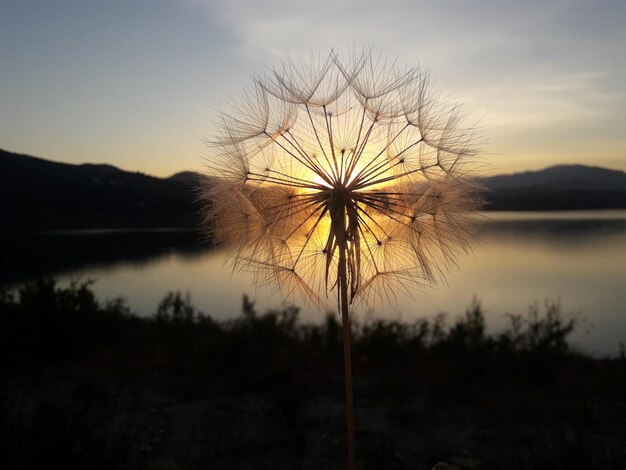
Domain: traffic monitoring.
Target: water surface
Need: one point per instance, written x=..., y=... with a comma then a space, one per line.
x=577, y=258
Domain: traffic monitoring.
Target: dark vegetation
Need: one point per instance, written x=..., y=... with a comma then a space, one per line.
x=37, y=194
x=90, y=385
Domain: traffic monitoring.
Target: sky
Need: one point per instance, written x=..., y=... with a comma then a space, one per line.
x=137, y=83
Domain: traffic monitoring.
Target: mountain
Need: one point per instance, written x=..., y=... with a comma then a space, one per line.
x=563, y=177
x=561, y=187
x=43, y=195
x=40, y=194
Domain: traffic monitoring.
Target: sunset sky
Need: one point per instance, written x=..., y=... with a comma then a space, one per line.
x=136, y=84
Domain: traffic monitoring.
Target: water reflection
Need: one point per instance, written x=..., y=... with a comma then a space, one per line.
x=577, y=257
x=30, y=255
x=562, y=227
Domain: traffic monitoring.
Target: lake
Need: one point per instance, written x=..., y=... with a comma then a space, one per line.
x=577, y=258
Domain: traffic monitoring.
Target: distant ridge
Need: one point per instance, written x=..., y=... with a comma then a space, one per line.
x=560, y=187
x=578, y=177
x=42, y=195
x=189, y=177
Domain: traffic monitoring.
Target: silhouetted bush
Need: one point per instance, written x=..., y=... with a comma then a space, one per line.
x=526, y=373
x=537, y=333
x=44, y=323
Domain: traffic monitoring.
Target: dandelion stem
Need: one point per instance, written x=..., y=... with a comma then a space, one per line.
x=338, y=215
x=347, y=350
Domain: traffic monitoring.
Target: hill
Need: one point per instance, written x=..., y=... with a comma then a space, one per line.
x=40, y=194
x=561, y=187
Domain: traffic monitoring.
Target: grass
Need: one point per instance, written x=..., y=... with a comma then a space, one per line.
x=78, y=376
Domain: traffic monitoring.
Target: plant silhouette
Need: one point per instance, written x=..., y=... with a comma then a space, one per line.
x=343, y=176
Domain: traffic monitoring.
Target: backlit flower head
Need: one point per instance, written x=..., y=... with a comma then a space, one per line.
x=356, y=158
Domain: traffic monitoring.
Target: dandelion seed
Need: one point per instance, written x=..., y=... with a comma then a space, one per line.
x=338, y=178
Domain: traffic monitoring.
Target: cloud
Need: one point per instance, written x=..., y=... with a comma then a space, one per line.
x=551, y=69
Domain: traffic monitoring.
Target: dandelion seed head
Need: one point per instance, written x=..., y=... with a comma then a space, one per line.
x=331, y=155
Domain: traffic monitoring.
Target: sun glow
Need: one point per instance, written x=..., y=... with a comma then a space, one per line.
x=351, y=162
